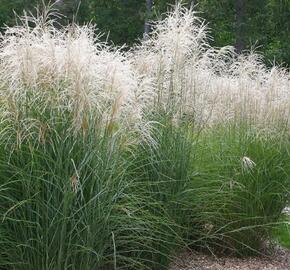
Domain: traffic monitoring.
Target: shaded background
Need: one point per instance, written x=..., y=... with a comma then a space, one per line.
x=264, y=24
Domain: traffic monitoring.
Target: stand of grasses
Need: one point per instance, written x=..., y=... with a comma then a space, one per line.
x=242, y=184
x=117, y=160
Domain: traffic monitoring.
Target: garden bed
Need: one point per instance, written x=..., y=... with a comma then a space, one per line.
x=116, y=160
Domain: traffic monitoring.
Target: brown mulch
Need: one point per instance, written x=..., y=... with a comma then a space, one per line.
x=278, y=260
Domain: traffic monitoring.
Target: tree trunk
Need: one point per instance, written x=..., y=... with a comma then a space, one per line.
x=149, y=4
x=240, y=10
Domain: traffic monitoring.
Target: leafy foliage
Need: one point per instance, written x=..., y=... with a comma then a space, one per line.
x=124, y=20
x=7, y=9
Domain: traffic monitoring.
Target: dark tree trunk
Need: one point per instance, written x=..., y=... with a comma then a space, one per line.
x=240, y=12
x=149, y=4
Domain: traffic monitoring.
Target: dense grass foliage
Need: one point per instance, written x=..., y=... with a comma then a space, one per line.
x=242, y=181
x=73, y=203
x=282, y=232
x=112, y=160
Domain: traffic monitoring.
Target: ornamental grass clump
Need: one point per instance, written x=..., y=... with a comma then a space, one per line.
x=113, y=159
x=74, y=203
x=72, y=116
x=241, y=186
x=207, y=85
x=50, y=74
x=240, y=180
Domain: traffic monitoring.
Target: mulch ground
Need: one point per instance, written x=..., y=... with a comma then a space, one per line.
x=278, y=260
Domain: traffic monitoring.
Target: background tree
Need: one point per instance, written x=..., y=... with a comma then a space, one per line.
x=149, y=4
x=264, y=24
x=240, y=9
x=8, y=7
